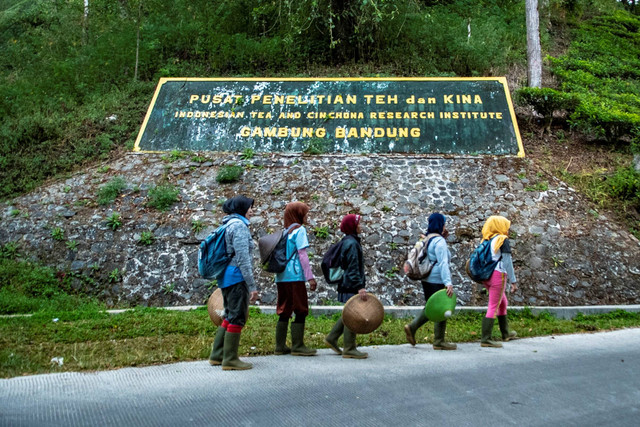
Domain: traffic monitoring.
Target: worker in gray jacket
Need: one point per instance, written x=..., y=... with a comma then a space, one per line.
x=237, y=284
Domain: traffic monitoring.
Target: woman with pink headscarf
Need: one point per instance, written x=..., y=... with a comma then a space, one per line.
x=353, y=282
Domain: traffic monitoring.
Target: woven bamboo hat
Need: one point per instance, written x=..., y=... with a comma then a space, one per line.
x=440, y=306
x=215, y=307
x=363, y=317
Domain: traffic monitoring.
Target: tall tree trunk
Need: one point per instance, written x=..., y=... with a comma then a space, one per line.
x=135, y=73
x=534, y=55
x=85, y=23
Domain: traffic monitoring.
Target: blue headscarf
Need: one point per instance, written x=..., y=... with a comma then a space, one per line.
x=436, y=223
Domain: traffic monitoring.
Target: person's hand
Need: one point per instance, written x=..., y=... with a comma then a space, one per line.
x=363, y=294
x=312, y=284
x=445, y=233
x=514, y=287
x=449, y=290
x=254, y=296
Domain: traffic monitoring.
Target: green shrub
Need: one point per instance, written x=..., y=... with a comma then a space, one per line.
x=545, y=100
x=163, y=196
x=625, y=185
x=114, y=221
x=27, y=287
x=316, y=146
x=111, y=190
x=57, y=233
x=602, y=71
x=146, y=238
x=228, y=174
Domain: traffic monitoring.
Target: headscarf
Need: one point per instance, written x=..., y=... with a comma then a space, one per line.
x=496, y=226
x=349, y=224
x=237, y=205
x=436, y=223
x=294, y=213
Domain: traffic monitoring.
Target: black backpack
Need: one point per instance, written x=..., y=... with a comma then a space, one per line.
x=273, y=251
x=332, y=263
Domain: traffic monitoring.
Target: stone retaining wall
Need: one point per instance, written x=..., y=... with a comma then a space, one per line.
x=565, y=252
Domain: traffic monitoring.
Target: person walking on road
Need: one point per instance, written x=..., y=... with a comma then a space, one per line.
x=439, y=278
x=237, y=284
x=496, y=229
x=353, y=282
x=291, y=283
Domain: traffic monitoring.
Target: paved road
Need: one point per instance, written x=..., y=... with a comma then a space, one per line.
x=572, y=380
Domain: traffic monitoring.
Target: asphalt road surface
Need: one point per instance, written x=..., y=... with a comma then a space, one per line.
x=570, y=380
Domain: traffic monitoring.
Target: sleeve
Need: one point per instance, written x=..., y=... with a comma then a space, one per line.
x=300, y=239
x=241, y=245
x=352, y=275
x=507, y=260
x=304, y=262
x=442, y=255
x=507, y=263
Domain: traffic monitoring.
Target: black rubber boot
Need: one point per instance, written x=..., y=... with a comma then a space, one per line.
x=350, y=351
x=507, y=335
x=281, y=338
x=332, y=339
x=439, y=343
x=411, y=328
x=217, y=351
x=230, y=362
x=487, y=330
x=297, y=341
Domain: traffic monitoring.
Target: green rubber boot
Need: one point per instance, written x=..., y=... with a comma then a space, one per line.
x=438, y=337
x=507, y=335
x=487, y=329
x=281, y=339
x=411, y=328
x=297, y=341
x=332, y=339
x=217, y=351
x=350, y=351
x=230, y=362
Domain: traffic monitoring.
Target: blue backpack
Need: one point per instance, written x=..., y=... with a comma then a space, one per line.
x=212, y=255
x=481, y=263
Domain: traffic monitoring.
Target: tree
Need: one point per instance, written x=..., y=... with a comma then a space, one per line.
x=534, y=55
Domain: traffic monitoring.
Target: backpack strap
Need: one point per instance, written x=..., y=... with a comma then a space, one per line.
x=286, y=232
x=425, y=249
x=226, y=225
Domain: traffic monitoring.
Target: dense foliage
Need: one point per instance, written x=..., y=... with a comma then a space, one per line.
x=74, y=89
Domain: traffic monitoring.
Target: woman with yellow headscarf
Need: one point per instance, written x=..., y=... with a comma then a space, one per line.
x=496, y=230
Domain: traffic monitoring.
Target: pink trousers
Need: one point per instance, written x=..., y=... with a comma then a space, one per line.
x=497, y=298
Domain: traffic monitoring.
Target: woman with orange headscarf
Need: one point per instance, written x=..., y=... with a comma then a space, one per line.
x=292, y=292
x=496, y=230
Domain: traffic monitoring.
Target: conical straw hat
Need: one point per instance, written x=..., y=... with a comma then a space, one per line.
x=215, y=307
x=363, y=317
x=440, y=306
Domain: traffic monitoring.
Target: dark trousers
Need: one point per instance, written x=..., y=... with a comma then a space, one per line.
x=430, y=289
x=236, y=303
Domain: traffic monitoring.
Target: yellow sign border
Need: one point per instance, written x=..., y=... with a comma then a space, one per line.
x=163, y=80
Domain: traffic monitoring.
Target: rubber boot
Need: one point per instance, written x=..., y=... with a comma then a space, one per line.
x=297, y=341
x=350, y=351
x=411, y=328
x=281, y=338
x=332, y=339
x=438, y=337
x=217, y=351
x=507, y=335
x=487, y=329
x=230, y=362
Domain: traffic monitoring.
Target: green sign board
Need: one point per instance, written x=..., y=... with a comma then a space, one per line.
x=402, y=115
